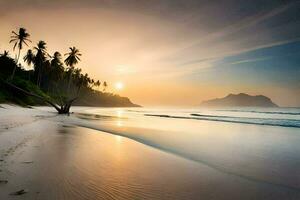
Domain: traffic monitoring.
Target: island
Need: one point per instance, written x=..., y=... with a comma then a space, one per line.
x=240, y=100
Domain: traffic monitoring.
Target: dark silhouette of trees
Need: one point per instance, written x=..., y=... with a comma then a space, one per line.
x=52, y=83
x=70, y=61
x=5, y=54
x=104, y=86
x=19, y=39
x=57, y=68
x=29, y=58
x=40, y=60
x=7, y=65
x=97, y=84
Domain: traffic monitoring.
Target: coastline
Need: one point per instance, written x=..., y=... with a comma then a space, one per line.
x=49, y=158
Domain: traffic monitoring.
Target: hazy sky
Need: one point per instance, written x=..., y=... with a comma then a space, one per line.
x=172, y=52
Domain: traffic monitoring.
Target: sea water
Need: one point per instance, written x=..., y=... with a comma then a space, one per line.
x=257, y=144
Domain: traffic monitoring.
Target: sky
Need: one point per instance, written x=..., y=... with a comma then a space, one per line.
x=171, y=52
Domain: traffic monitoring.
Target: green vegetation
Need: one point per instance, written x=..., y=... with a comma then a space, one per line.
x=50, y=80
x=9, y=95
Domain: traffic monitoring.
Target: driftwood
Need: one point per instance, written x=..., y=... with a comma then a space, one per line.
x=61, y=109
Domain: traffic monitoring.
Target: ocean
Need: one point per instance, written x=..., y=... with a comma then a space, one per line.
x=257, y=144
x=150, y=153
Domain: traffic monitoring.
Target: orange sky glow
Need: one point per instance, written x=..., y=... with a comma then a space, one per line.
x=150, y=54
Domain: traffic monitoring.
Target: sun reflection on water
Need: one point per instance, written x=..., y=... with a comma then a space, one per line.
x=119, y=113
x=119, y=123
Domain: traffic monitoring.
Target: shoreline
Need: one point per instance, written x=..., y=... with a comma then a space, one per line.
x=50, y=159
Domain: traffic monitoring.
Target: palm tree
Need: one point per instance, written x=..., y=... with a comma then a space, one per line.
x=92, y=83
x=104, y=86
x=73, y=57
x=57, y=66
x=40, y=59
x=71, y=60
x=29, y=58
x=19, y=39
x=86, y=80
x=78, y=79
x=97, y=84
x=56, y=62
x=56, y=58
x=5, y=54
x=41, y=48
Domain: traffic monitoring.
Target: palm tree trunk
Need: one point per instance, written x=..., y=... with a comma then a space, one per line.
x=69, y=83
x=39, y=75
x=17, y=61
x=78, y=90
x=18, y=56
x=70, y=78
x=29, y=75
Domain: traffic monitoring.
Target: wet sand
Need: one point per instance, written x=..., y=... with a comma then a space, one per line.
x=52, y=160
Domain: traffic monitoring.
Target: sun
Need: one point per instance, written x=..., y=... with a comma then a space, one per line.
x=119, y=85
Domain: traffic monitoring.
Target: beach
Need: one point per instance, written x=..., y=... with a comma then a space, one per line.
x=118, y=154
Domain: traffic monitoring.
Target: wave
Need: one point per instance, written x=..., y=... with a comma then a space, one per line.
x=235, y=117
x=233, y=110
x=145, y=136
x=263, y=112
x=241, y=120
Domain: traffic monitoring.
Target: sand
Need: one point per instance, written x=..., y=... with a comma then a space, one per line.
x=45, y=156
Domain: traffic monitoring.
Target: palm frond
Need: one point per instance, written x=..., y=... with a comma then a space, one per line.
x=15, y=46
x=14, y=33
x=25, y=43
x=13, y=40
x=26, y=39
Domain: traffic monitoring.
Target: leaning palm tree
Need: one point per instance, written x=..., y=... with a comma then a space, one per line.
x=19, y=39
x=71, y=60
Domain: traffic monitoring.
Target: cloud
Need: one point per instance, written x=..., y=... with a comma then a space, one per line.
x=250, y=60
x=255, y=31
x=162, y=40
x=197, y=61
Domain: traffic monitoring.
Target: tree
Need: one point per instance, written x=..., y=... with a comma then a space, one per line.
x=97, y=84
x=19, y=39
x=77, y=79
x=57, y=68
x=40, y=58
x=92, y=83
x=56, y=59
x=29, y=58
x=5, y=54
x=104, y=86
x=71, y=60
x=55, y=84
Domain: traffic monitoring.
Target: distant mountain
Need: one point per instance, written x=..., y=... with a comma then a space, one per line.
x=240, y=100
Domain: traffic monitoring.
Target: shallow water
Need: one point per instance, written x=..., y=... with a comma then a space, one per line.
x=69, y=162
x=255, y=151
x=121, y=153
